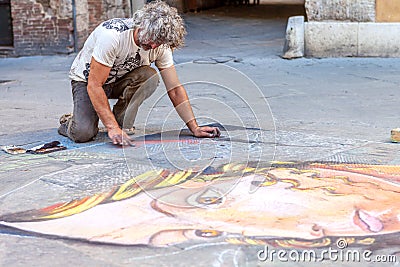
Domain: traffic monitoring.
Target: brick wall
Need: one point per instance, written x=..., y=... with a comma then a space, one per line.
x=95, y=10
x=90, y=13
x=39, y=32
x=101, y=10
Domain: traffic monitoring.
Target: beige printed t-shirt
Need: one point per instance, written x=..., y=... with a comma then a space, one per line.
x=112, y=45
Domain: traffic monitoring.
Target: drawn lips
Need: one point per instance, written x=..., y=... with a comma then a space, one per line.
x=367, y=222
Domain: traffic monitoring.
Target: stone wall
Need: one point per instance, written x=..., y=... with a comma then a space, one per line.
x=42, y=27
x=82, y=22
x=340, y=10
x=349, y=28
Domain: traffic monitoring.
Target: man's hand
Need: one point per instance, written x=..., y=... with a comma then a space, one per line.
x=206, y=131
x=119, y=137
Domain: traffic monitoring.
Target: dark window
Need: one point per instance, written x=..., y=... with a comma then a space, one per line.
x=6, y=32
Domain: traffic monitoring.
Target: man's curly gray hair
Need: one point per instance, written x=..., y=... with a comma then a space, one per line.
x=161, y=24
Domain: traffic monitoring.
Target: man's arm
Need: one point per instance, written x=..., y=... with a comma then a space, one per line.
x=180, y=100
x=97, y=77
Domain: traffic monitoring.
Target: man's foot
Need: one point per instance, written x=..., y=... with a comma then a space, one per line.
x=130, y=131
x=64, y=118
x=63, y=129
x=64, y=124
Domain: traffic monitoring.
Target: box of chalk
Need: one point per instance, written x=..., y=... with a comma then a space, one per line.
x=395, y=135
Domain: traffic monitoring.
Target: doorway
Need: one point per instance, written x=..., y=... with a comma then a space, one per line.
x=6, y=32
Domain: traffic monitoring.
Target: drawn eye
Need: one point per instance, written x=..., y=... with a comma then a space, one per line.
x=210, y=197
x=209, y=200
x=208, y=233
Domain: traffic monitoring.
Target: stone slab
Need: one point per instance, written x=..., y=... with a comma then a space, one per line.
x=352, y=39
x=379, y=40
x=330, y=39
x=294, y=41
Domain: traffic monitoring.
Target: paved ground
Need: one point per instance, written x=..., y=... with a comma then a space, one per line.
x=272, y=109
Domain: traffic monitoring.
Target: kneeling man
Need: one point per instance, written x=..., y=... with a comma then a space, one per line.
x=115, y=64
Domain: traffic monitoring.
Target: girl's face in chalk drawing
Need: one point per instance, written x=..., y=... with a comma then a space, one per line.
x=292, y=203
x=285, y=203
